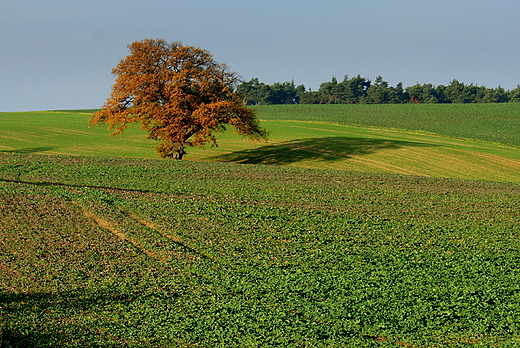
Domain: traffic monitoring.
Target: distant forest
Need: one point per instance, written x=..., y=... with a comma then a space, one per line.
x=360, y=90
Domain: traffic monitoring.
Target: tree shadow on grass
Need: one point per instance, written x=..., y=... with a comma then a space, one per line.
x=327, y=149
x=31, y=320
x=16, y=332
x=30, y=150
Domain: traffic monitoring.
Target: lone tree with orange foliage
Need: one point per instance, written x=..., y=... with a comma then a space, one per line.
x=178, y=94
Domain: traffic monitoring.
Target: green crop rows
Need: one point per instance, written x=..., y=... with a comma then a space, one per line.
x=486, y=122
x=111, y=252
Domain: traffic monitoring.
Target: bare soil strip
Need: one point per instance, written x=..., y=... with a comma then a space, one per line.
x=175, y=239
x=106, y=225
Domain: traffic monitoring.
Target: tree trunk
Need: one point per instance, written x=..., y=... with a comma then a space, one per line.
x=179, y=153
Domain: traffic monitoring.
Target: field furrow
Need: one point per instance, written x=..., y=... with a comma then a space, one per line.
x=107, y=225
x=324, y=247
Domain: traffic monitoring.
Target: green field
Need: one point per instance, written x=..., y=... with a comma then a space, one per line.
x=113, y=252
x=484, y=122
x=362, y=231
x=477, y=142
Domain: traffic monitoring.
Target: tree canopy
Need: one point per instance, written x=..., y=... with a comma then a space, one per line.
x=178, y=94
x=360, y=90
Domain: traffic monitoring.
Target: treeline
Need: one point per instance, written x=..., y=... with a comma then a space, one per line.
x=360, y=90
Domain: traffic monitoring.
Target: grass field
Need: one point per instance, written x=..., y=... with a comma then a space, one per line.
x=429, y=140
x=484, y=122
x=330, y=245
x=67, y=132
x=113, y=252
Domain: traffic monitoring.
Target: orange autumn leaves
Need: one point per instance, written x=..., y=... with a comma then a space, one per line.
x=178, y=94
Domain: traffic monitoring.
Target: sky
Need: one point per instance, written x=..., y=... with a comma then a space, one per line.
x=59, y=54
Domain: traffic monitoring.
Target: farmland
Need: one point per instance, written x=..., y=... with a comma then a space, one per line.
x=118, y=252
x=483, y=122
x=124, y=250
x=477, y=142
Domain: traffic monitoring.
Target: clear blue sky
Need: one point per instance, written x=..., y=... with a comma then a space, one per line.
x=58, y=54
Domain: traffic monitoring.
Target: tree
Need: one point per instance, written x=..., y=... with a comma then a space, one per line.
x=355, y=89
x=397, y=95
x=348, y=91
x=425, y=93
x=285, y=93
x=378, y=92
x=178, y=94
x=494, y=95
x=254, y=92
x=330, y=92
x=454, y=91
x=514, y=95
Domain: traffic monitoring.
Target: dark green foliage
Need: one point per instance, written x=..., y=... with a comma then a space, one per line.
x=257, y=93
x=514, y=95
x=360, y=90
x=220, y=255
x=426, y=93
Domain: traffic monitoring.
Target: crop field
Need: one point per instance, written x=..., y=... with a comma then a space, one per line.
x=352, y=226
x=67, y=132
x=115, y=252
x=478, y=142
x=484, y=122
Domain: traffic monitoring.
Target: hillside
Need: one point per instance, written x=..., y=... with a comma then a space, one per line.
x=477, y=142
x=496, y=123
x=114, y=252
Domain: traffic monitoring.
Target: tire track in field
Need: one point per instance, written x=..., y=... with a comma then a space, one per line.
x=66, y=131
x=501, y=160
x=107, y=225
x=176, y=239
x=385, y=166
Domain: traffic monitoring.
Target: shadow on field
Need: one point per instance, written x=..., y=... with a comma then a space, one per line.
x=57, y=319
x=30, y=150
x=327, y=149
